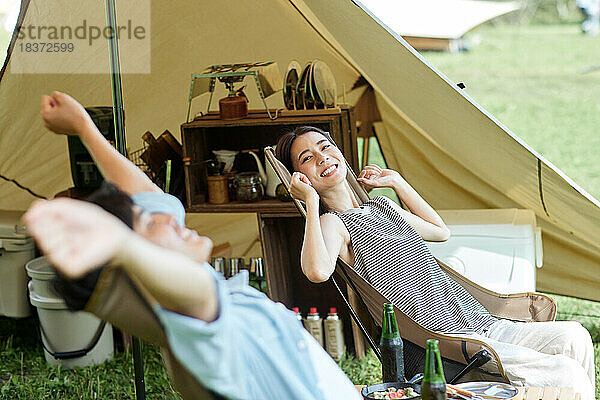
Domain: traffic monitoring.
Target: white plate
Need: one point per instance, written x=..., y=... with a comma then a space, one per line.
x=493, y=389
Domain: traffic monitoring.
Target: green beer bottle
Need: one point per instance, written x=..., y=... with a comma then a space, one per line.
x=433, y=386
x=391, y=347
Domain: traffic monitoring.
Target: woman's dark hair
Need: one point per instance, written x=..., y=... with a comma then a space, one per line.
x=283, y=151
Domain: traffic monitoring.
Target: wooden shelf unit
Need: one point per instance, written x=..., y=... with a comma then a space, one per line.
x=264, y=206
x=201, y=136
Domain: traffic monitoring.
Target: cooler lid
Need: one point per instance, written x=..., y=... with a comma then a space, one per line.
x=11, y=226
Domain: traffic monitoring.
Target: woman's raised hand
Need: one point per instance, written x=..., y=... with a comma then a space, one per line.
x=301, y=188
x=373, y=176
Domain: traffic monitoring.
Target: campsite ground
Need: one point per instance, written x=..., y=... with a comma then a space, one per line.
x=529, y=77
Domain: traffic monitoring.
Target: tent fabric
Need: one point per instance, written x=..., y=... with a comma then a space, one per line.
x=450, y=149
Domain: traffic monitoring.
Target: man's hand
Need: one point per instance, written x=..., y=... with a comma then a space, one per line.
x=302, y=189
x=62, y=114
x=373, y=176
x=77, y=237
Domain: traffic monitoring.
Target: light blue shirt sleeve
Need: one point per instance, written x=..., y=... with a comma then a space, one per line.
x=255, y=349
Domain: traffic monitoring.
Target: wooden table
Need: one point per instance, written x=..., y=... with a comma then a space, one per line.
x=537, y=393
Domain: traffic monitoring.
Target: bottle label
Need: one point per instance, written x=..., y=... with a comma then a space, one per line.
x=334, y=339
x=315, y=328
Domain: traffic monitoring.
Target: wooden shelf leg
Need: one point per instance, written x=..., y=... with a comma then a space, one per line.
x=359, y=340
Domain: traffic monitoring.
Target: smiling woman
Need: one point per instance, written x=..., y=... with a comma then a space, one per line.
x=320, y=181
x=385, y=245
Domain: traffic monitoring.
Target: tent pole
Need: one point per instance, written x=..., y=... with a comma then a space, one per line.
x=121, y=145
x=115, y=78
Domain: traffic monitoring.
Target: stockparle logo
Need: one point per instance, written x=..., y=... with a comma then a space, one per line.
x=76, y=42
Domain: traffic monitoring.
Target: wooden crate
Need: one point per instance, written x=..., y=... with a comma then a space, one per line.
x=201, y=136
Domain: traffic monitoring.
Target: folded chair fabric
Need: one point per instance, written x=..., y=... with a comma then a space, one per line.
x=457, y=351
x=123, y=302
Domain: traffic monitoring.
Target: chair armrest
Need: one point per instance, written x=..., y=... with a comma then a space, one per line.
x=457, y=348
x=116, y=299
x=527, y=307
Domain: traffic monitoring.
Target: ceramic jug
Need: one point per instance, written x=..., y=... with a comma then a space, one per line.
x=261, y=170
x=272, y=180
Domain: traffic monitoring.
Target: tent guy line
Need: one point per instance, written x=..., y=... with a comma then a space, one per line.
x=23, y=187
x=541, y=189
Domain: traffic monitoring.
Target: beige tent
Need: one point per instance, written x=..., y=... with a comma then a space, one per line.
x=449, y=148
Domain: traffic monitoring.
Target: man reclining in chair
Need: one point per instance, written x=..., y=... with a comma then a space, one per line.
x=231, y=337
x=385, y=245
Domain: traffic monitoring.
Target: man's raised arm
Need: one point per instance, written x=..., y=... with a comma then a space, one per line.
x=78, y=237
x=64, y=115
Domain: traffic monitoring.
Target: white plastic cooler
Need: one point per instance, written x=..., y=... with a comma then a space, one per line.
x=497, y=249
x=16, y=249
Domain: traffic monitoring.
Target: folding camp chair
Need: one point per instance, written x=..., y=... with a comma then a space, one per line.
x=122, y=301
x=462, y=357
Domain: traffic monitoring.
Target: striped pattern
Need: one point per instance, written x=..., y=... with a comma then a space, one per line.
x=393, y=257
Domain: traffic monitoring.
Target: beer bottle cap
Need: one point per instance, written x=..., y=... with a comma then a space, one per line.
x=313, y=310
x=332, y=310
x=296, y=310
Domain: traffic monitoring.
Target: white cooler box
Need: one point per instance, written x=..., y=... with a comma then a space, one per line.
x=16, y=249
x=497, y=249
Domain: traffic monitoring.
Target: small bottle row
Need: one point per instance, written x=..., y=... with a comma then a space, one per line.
x=328, y=332
x=230, y=267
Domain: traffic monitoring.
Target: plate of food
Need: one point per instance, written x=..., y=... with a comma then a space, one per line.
x=392, y=390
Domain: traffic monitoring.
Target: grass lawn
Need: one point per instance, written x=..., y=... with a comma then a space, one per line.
x=529, y=77
x=25, y=375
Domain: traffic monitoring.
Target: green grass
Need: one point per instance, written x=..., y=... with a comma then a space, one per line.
x=25, y=375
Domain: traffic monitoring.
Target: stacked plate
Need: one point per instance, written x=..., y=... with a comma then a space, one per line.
x=311, y=87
